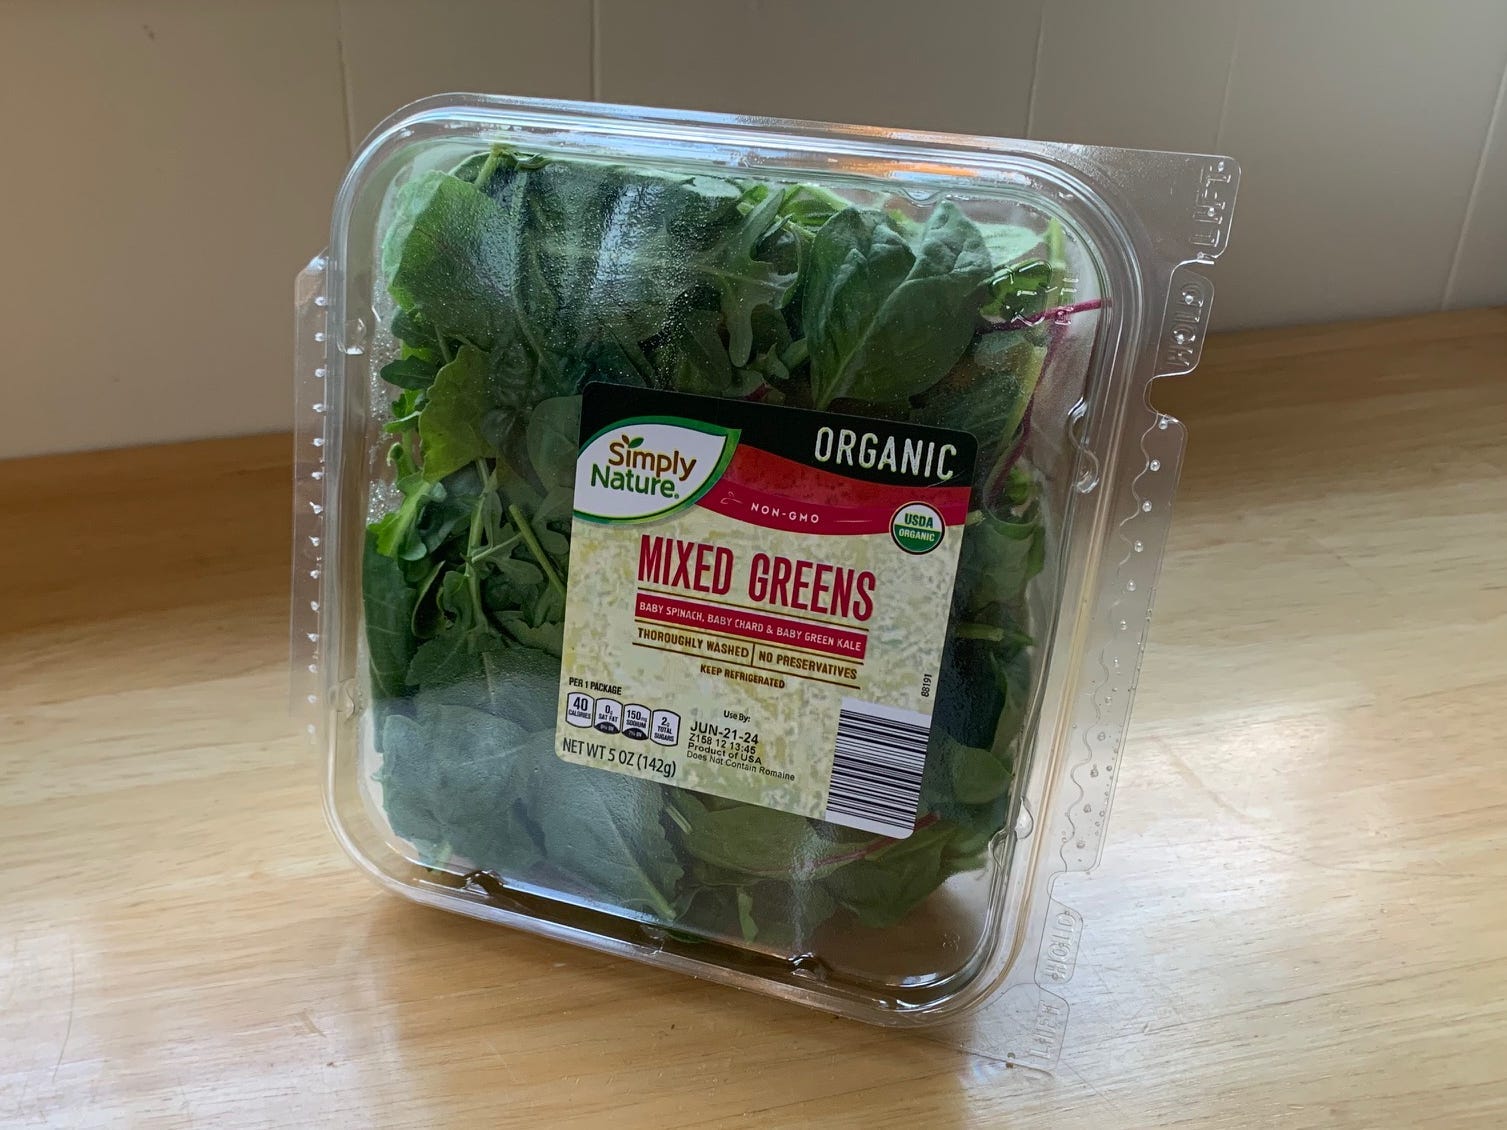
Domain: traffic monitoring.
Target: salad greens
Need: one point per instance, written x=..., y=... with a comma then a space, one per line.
x=518, y=279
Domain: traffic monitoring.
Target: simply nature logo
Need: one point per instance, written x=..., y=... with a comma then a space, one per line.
x=632, y=466
x=645, y=468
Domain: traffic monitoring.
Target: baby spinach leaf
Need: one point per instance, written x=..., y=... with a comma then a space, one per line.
x=977, y=775
x=746, y=840
x=695, y=359
x=449, y=257
x=554, y=432
x=603, y=830
x=887, y=313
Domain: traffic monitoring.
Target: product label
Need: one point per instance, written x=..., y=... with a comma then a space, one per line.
x=757, y=600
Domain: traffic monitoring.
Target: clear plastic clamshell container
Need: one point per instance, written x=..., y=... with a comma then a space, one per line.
x=728, y=543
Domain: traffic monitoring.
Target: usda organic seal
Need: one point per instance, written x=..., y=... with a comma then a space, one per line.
x=917, y=527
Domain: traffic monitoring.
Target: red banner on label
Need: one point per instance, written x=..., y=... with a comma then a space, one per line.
x=769, y=490
x=778, y=630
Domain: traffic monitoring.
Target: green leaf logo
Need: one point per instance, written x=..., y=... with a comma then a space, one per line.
x=635, y=442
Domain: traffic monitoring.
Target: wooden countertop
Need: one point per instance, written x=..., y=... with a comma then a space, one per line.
x=1299, y=918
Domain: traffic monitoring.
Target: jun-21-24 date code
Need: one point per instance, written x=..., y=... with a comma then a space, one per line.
x=722, y=743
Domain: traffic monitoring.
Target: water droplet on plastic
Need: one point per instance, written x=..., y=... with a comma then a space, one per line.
x=1094, y=772
x=319, y=299
x=318, y=509
x=808, y=965
x=1123, y=625
x=354, y=338
x=313, y=636
x=1155, y=464
x=321, y=372
x=1163, y=422
x=321, y=408
x=320, y=335
x=313, y=540
x=1139, y=547
x=1102, y=735
x=319, y=441
x=1088, y=808
x=309, y=729
x=1081, y=845
x=1130, y=586
x=1146, y=506
x=314, y=573
x=313, y=699
x=316, y=475
x=313, y=606
x=313, y=668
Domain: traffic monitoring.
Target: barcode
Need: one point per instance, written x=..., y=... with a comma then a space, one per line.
x=876, y=768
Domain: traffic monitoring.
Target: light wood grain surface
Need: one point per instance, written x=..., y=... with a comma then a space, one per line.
x=1299, y=919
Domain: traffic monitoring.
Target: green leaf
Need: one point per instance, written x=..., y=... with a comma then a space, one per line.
x=602, y=832
x=887, y=313
x=447, y=256
x=548, y=637
x=743, y=282
x=411, y=372
x=419, y=336
x=987, y=392
x=999, y=558
x=810, y=206
x=398, y=532
x=883, y=888
x=1009, y=244
x=746, y=915
x=450, y=425
x=452, y=778
x=694, y=358
x=405, y=412
x=754, y=841
x=977, y=775
x=554, y=438
x=523, y=684
x=388, y=601
x=447, y=660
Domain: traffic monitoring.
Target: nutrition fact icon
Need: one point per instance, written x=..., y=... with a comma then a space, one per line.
x=631, y=719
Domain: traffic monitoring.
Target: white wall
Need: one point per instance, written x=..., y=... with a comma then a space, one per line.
x=169, y=164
